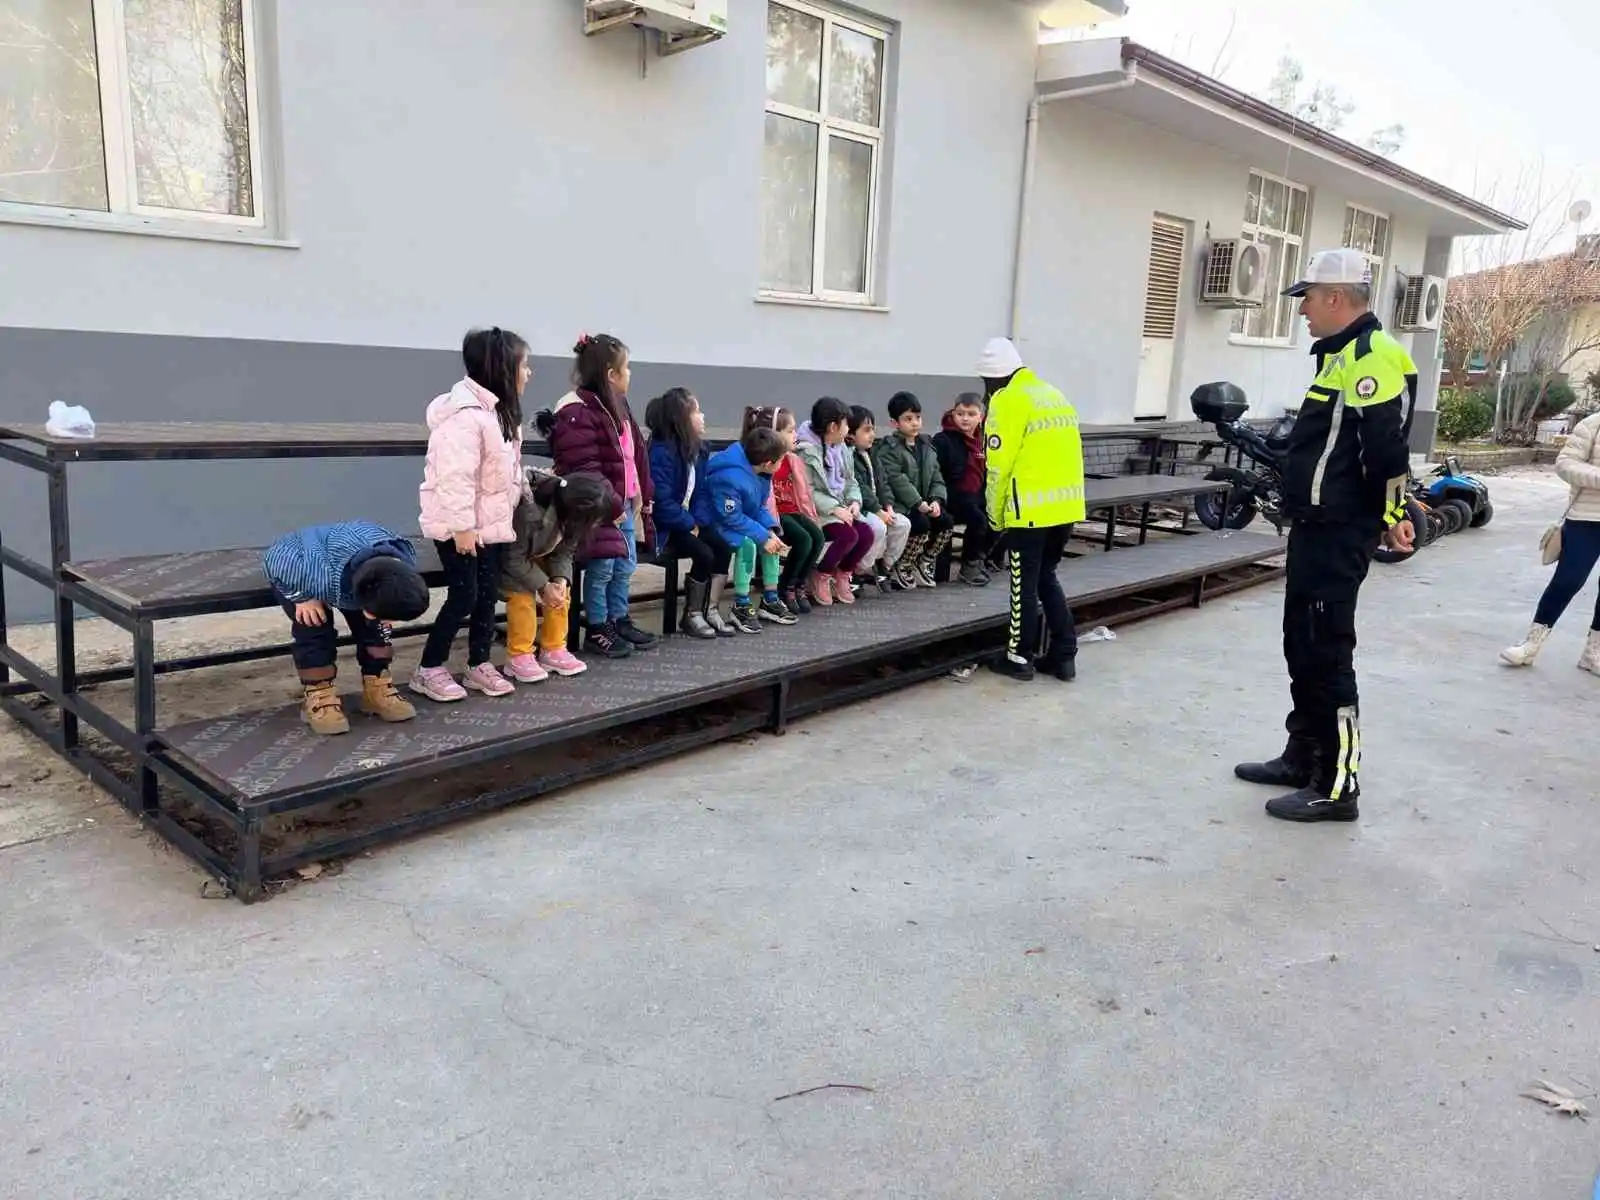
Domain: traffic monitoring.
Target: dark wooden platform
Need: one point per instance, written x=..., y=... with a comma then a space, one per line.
x=269, y=761
x=163, y=586
x=1145, y=489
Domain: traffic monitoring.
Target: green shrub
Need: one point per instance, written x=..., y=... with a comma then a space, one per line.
x=1465, y=414
x=1558, y=397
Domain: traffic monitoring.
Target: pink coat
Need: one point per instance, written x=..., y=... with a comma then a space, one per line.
x=473, y=476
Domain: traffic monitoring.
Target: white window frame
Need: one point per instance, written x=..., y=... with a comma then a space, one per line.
x=1252, y=232
x=123, y=210
x=827, y=129
x=1376, y=261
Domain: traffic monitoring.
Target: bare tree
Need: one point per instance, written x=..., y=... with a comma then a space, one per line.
x=1222, y=63
x=1521, y=301
x=1326, y=106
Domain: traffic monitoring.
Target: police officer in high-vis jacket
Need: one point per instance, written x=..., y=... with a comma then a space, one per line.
x=1344, y=488
x=1034, y=492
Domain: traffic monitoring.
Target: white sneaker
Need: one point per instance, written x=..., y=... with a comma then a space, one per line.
x=1523, y=655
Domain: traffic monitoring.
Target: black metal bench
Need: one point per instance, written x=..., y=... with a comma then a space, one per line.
x=1107, y=495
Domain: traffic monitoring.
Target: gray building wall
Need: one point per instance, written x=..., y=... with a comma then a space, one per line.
x=1102, y=178
x=445, y=166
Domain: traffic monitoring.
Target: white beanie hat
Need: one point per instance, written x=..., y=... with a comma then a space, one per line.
x=999, y=359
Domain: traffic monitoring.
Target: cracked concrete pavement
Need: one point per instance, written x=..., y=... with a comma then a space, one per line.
x=1065, y=950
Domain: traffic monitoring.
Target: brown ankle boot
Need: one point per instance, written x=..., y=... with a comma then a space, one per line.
x=322, y=710
x=379, y=698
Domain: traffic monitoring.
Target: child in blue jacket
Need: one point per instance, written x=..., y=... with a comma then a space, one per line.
x=367, y=573
x=678, y=457
x=733, y=506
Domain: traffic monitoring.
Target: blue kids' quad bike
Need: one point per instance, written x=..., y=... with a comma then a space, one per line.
x=1461, y=499
x=1448, y=501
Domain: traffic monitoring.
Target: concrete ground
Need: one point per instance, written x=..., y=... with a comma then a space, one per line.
x=1054, y=948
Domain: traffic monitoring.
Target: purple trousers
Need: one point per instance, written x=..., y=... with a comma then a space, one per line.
x=847, y=545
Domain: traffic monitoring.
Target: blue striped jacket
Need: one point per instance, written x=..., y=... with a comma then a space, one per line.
x=313, y=564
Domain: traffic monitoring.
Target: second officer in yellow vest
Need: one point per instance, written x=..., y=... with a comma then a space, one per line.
x=1034, y=495
x=1344, y=487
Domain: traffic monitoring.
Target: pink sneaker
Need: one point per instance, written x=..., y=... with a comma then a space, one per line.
x=484, y=678
x=436, y=683
x=821, y=588
x=562, y=662
x=841, y=588
x=525, y=668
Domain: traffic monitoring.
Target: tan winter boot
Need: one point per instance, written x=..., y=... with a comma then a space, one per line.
x=1523, y=655
x=379, y=698
x=1589, y=660
x=322, y=710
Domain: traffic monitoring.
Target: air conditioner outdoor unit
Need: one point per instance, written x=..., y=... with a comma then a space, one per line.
x=1421, y=306
x=1235, y=274
x=678, y=24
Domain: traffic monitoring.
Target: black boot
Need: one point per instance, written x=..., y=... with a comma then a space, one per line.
x=1331, y=792
x=1062, y=666
x=1004, y=664
x=697, y=595
x=605, y=641
x=631, y=633
x=1316, y=802
x=1291, y=769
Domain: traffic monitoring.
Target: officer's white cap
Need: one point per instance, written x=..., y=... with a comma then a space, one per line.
x=999, y=360
x=1334, y=267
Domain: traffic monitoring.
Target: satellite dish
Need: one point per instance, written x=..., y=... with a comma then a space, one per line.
x=1580, y=212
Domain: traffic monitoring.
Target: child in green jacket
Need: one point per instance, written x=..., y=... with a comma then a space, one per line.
x=909, y=465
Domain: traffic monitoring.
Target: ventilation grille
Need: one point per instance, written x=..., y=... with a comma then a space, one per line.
x=1219, y=270
x=1162, y=283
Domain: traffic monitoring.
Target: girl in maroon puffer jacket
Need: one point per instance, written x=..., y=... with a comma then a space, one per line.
x=592, y=429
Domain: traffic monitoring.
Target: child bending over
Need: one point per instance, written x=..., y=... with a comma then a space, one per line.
x=369, y=575
x=837, y=497
x=795, y=510
x=965, y=469
x=554, y=517
x=890, y=529
x=678, y=457
x=738, y=482
x=910, y=467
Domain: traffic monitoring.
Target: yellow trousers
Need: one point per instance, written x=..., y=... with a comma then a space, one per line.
x=522, y=620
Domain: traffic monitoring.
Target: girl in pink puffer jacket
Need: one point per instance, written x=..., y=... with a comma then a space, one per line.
x=470, y=488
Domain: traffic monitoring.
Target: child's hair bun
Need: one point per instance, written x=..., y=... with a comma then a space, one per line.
x=583, y=340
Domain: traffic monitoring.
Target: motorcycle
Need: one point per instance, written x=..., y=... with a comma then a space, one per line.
x=1257, y=489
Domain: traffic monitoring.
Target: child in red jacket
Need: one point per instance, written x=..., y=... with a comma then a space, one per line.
x=791, y=503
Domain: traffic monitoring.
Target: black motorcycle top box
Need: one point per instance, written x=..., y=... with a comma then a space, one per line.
x=1219, y=403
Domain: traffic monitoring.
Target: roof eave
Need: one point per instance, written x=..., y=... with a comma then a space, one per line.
x=1153, y=63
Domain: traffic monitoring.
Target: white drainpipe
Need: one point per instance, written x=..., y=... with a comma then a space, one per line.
x=1030, y=152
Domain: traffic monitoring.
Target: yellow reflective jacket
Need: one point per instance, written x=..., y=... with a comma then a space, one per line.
x=1035, y=456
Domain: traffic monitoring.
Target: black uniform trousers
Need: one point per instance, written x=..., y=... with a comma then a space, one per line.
x=1035, y=555
x=1327, y=563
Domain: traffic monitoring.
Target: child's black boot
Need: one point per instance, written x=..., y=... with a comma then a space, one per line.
x=632, y=634
x=605, y=641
